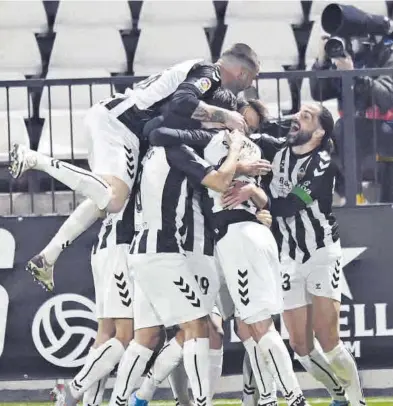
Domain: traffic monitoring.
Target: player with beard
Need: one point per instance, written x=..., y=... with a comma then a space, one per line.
x=301, y=190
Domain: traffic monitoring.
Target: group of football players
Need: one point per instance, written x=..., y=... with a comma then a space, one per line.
x=204, y=218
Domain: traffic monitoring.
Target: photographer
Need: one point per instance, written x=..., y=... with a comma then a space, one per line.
x=358, y=41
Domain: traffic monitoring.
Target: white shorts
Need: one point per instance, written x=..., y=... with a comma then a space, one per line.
x=248, y=257
x=319, y=276
x=204, y=269
x=113, y=148
x=166, y=291
x=113, y=286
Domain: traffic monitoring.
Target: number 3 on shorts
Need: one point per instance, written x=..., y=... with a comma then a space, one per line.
x=286, y=282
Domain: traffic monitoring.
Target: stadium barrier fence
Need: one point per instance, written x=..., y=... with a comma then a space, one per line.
x=45, y=121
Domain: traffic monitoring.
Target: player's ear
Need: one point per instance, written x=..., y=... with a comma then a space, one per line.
x=319, y=133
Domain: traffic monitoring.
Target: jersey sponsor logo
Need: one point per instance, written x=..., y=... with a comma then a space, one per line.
x=57, y=324
x=7, y=249
x=305, y=186
x=203, y=85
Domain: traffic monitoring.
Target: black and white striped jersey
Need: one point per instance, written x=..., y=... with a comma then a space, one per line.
x=218, y=217
x=162, y=193
x=146, y=100
x=198, y=237
x=116, y=228
x=301, y=190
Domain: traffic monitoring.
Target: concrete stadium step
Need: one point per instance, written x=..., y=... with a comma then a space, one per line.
x=39, y=204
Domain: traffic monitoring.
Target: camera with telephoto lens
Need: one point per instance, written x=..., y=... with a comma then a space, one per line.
x=345, y=22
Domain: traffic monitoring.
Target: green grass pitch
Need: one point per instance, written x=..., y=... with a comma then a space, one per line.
x=230, y=402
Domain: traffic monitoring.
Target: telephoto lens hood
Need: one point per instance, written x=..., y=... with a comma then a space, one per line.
x=349, y=21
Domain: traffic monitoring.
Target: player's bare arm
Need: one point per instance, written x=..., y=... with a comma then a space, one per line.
x=241, y=192
x=206, y=113
x=260, y=167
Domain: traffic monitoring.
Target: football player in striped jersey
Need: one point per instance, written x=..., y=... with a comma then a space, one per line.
x=301, y=190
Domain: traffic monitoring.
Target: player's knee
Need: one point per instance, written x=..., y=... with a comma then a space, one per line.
x=117, y=202
x=101, y=338
x=299, y=346
x=260, y=328
x=328, y=338
x=148, y=337
x=242, y=330
x=180, y=338
x=119, y=194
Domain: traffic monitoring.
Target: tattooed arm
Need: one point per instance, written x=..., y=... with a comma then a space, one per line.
x=200, y=84
x=207, y=113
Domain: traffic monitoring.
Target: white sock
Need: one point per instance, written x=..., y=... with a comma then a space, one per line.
x=178, y=380
x=99, y=363
x=84, y=182
x=216, y=358
x=344, y=366
x=131, y=368
x=317, y=365
x=263, y=378
x=197, y=365
x=93, y=396
x=250, y=393
x=167, y=360
x=79, y=221
x=280, y=366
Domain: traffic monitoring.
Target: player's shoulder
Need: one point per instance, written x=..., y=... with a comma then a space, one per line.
x=322, y=158
x=322, y=163
x=204, y=69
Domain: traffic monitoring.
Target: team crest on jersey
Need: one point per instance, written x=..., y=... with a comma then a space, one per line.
x=203, y=84
x=301, y=174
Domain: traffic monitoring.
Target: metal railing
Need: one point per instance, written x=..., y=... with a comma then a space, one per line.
x=40, y=92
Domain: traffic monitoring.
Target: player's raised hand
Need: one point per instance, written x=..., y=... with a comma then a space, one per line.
x=265, y=217
x=235, y=140
x=235, y=121
x=260, y=167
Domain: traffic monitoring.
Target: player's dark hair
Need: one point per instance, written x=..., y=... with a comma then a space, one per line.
x=327, y=123
x=260, y=109
x=243, y=53
x=224, y=99
x=257, y=105
x=241, y=103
